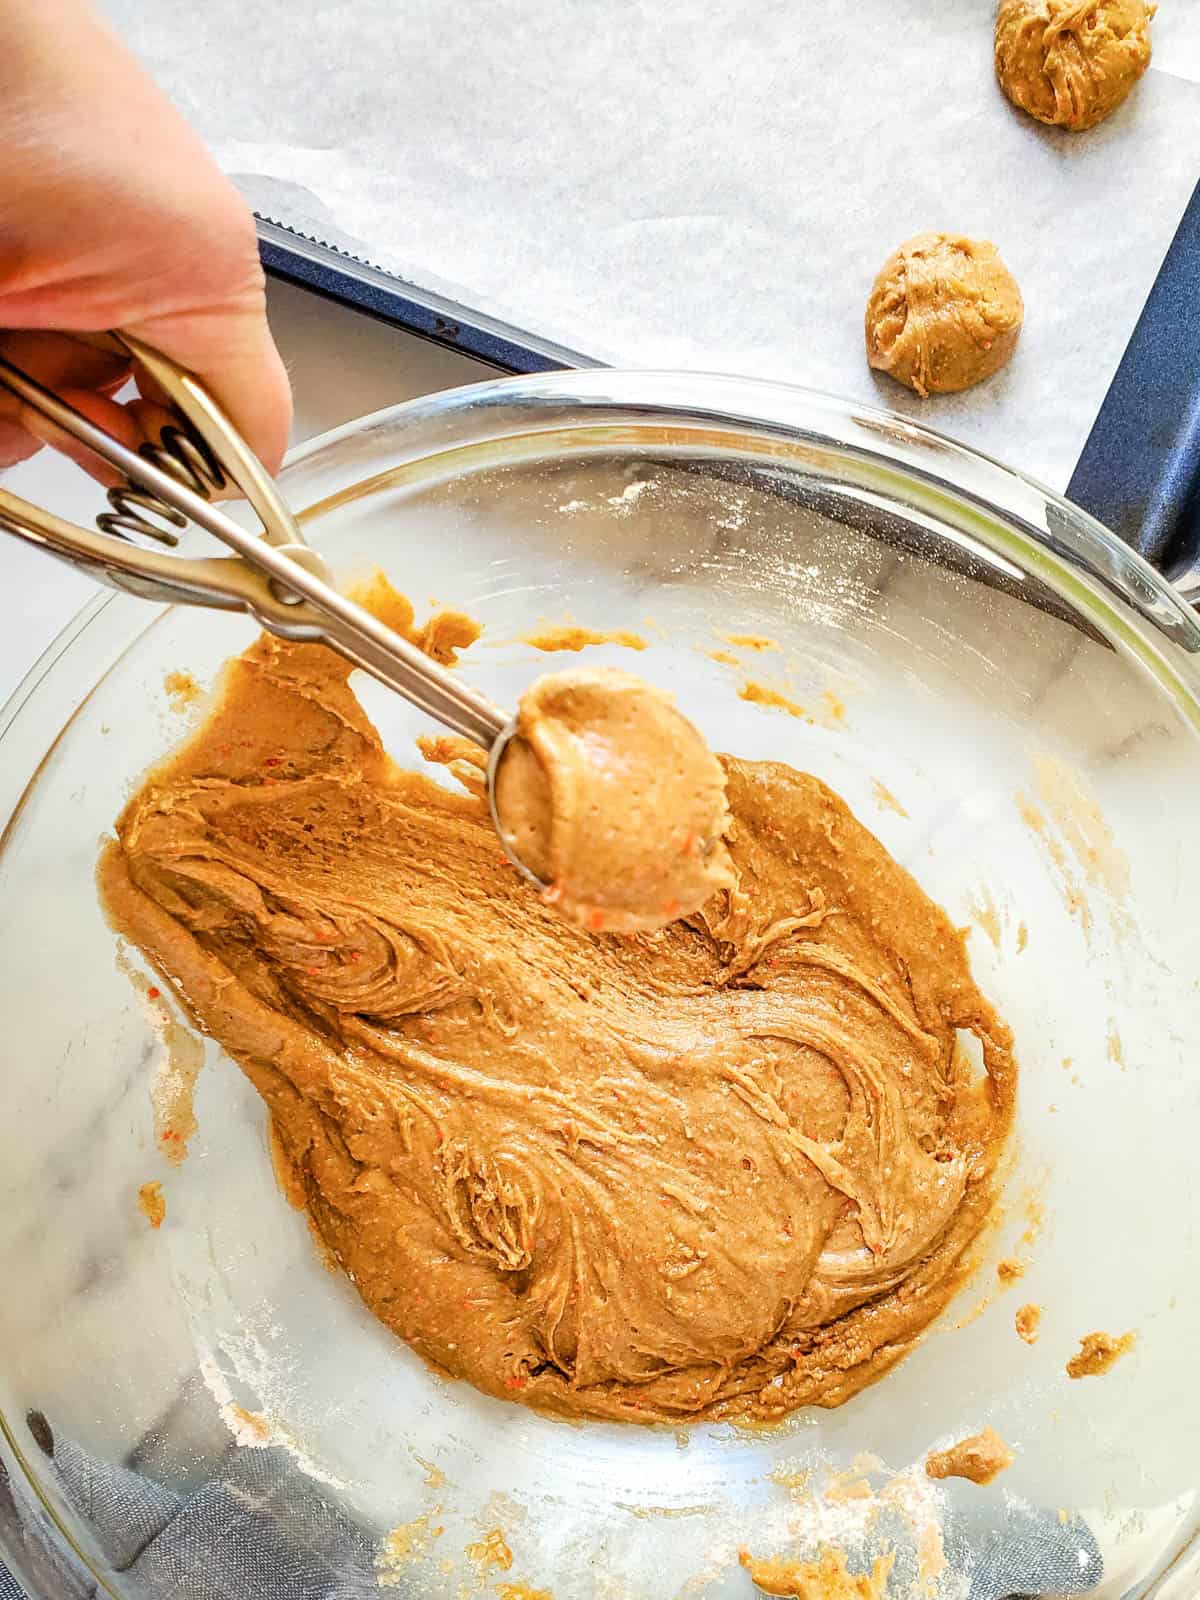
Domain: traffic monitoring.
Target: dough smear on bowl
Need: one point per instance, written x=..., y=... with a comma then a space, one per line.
x=944, y=313
x=1071, y=64
x=723, y=1169
x=611, y=797
x=980, y=1459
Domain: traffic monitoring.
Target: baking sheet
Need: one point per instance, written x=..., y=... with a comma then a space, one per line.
x=710, y=187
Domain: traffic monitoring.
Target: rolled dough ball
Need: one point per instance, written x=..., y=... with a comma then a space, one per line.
x=1071, y=64
x=945, y=313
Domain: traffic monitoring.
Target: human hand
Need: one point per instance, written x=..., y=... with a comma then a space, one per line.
x=114, y=215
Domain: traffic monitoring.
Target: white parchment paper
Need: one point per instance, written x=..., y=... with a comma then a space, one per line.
x=701, y=185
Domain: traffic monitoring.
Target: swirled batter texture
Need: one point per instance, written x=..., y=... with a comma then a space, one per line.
x=611, y=797
x=944, y=313
x=1071, y=62
x=720, y=1170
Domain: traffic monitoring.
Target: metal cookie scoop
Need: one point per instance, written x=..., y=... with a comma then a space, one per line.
x=273, y=574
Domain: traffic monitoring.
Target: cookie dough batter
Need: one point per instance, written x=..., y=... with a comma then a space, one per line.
x=724, y=1169
x=944, y=313
x=1068, y=63
x=611, y=796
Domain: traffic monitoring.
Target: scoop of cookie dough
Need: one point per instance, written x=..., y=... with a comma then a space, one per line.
x=944, y=313
x=1071, y=64
x=611, y=796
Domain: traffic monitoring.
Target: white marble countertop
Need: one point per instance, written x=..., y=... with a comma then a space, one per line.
x=343, y=364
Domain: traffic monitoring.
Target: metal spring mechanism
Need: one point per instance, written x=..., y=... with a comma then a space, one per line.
x=135, y=513
x=269, y=572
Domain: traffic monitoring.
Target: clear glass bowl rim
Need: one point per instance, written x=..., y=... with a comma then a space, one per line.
x=496, y=408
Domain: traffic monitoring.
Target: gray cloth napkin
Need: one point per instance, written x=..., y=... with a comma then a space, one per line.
x=260, y=1529
x=8, y=1585
x=264, y=1530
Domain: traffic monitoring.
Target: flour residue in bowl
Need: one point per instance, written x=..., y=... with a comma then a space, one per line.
x=1091, y=868
x=491, y=1551
x=885, y=799
x=264, y=1373
x=985, y=913
x=621, y=504
x=860, y=1511
x=1114, y=1046
x=402, y=1547
x=1082, y=825
x=180, y=1057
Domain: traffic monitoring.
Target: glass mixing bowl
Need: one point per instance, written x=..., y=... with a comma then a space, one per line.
x=1002, y=691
